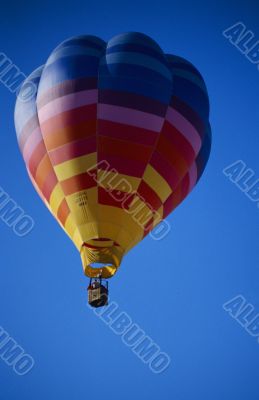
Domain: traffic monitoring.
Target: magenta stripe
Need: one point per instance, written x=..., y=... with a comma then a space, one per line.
x=185, y=127
x=32, y=142
x=131, y=117
x=192, y=177
x=66, y=103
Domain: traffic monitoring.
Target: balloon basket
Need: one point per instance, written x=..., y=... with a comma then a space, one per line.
x=98, y=293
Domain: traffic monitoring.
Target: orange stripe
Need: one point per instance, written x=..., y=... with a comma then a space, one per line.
x=43, y=170
x=63, y=212
x=36, y=158
x=69, y=134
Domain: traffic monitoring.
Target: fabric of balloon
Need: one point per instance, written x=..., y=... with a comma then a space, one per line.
x=114, y=138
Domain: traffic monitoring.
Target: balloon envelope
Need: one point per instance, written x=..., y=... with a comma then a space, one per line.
x=114, y=138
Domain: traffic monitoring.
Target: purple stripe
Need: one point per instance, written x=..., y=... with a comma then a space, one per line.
x=130, y=117
x=32, y=142
x=192, y=177
x=66, y=103
x=185, y=127
x=67, y=87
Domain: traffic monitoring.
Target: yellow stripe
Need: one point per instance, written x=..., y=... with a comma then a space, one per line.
x=157, y=183
x=112, y=221
x=56, y=198
x=70, y=226
x=125, y=183
x=77, y=239
x=83, y=205
x=76, y=166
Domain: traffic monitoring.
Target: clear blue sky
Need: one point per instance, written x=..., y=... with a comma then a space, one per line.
x=210, y=255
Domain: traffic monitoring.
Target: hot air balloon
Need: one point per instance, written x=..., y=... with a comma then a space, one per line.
x=114, y=137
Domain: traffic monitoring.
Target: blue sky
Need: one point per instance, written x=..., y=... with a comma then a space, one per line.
x=209, y=257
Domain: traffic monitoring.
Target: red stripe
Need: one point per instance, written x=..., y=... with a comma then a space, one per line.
x=73, y=149
x=179, y=142
x=77, y=183
x=92, y=247
x=126, y=150
x=49, y=185
x=105, y=240
x=114, y=198
x=149, y=195
x=172, y=202
x=122, y=166
x=36, y=158
x=172, y=155
x=127, y=133
x=100, y=247
x=165, y=169
x=69, y=118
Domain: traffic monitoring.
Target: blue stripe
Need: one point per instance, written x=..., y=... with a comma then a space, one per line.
x=193, y=96
x=179, y=62
x=136, y=48
x=204, y=153
x=25, y=110
x=137, y=86
x=135, y=73
x=134, y=38
x=192, y=78
x=71, y=51
x=84, y=40
x=138, y=60
x=68, y=68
